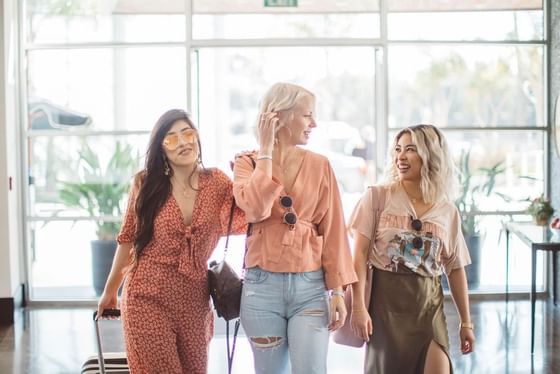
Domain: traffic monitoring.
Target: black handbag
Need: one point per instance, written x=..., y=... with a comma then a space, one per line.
x=225, y=288
x=224, y=284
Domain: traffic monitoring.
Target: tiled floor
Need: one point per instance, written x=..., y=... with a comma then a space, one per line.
x=59, y=340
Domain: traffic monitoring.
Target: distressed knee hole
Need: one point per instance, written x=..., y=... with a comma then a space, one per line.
x=313, y=312
x=267, y=342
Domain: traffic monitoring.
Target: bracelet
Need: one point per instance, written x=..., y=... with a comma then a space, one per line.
x=264, y=157
x=466, y=325
x=337, y=293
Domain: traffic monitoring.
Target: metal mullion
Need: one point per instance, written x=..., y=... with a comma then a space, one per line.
x=188, y=50
x=98, y=45
x=467, y=42
x=31, y=218
x=493, y=128
x=23, y=124
x=382, y=128
x=55, y=133
x=320, y=42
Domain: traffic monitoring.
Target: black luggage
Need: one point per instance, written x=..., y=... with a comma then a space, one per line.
x=101, y=363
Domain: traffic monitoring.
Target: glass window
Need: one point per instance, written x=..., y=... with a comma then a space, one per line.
x=60, y=260
x=64, y=169
x=459, y=5
x=235, y=79
x=495, y=25
x=51, y=21
x=219, y=19
x=466, y=85
x=119, y=89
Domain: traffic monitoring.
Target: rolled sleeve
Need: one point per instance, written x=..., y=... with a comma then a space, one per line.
x=254, y=191
x=457, y=251
x=336, y=258
x=127, y=233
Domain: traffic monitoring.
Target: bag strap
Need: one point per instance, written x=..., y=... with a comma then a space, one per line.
x=230, y=354
x=230, y=223
x=378, y=196
x=237, y=321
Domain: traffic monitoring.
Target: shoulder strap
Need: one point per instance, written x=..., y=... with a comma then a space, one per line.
x=378, y=195
x=231, y=211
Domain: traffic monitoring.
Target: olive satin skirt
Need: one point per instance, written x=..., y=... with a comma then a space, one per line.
x=407, y=314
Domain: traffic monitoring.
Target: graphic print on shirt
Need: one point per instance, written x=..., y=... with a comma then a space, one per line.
x=422, y=258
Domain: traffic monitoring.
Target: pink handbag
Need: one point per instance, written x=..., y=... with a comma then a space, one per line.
x=345, y=335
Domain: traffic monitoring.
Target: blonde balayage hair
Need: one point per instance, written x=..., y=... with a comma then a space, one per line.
x=439, y=178
x=283, y=97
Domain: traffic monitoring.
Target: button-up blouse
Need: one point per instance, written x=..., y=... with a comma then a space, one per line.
x=188, y=246
x=319, y=237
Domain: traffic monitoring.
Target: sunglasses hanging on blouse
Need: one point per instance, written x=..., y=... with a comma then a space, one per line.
x=289, y=217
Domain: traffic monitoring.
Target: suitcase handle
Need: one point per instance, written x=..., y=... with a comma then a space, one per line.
x=108, y=313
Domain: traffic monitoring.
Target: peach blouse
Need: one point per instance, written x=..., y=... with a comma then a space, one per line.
x=319, y=238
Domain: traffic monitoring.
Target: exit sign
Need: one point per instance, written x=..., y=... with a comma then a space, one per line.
x=279, y=3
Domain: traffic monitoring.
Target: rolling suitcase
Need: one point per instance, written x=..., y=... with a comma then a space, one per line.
x=110, y=363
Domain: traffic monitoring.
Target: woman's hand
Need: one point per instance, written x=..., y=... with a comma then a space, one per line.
x=467, y=340
x=106, y=302
x=361, y=323
x=267, y=128
x=338, y=312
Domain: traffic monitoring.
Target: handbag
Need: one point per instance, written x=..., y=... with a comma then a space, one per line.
x=345, y=335
x=224, y=285
x=225, y=288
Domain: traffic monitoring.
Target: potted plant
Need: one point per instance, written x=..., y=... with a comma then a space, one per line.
x=475, y=185
x=541, y=210
x=100, y=191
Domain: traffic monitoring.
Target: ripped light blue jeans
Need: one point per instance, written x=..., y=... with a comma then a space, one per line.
x=285, y=317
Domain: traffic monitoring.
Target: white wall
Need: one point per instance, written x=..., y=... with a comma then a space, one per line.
x=11, y=244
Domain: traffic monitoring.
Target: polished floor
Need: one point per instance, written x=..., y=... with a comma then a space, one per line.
x=58, y=340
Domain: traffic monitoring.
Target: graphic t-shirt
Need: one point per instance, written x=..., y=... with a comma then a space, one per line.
x=439, y=246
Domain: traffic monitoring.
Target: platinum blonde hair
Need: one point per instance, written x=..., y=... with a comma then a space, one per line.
x=439, y=177
x=283, y=97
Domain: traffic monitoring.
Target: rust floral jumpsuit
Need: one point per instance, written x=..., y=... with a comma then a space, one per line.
x=167, y=317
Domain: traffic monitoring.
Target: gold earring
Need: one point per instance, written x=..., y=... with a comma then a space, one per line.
x=166, y=169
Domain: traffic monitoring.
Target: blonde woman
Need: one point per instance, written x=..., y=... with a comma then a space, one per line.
x=418, y=239
x=298, y=249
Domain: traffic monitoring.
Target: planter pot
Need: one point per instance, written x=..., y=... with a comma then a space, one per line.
x=472, y=270
x=102, y=253
x=539, y=221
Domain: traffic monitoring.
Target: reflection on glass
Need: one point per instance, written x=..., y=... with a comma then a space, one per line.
x=60, y=267
x=233, y=80
x=120, y=89
x=65, y=163
x=102, y=21
x=497, y=26
x=303, y=6
x=246, y=26
x=467, y=85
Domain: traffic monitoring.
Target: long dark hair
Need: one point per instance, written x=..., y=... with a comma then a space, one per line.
x=155, y=185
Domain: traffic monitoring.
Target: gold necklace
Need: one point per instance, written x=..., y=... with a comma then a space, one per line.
x=185, y=192
x=414, y=200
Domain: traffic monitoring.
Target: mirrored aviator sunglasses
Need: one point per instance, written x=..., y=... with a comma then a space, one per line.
x=171, y=141
x=289, y=217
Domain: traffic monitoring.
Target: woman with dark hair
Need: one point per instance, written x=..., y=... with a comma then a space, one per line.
x=177, y=211
x=418, y=239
